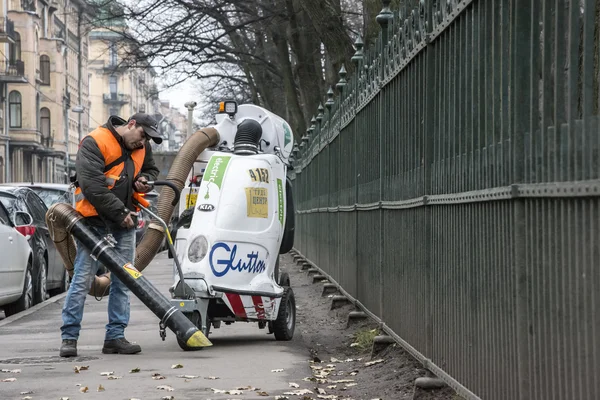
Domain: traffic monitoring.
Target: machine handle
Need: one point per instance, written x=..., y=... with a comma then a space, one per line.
x=169, y=184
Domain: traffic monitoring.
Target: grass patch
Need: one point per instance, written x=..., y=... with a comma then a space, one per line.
x=363, y=339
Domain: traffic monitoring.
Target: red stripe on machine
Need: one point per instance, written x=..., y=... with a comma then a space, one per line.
x=236, y=304
x=259, y=307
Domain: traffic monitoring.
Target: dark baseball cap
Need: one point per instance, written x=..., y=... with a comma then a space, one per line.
x=149, y=124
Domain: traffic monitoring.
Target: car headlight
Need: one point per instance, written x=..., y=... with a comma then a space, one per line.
x=197, y=249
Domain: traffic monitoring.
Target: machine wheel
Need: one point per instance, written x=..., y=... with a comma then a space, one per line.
x=196, y=319
x=284, y=279
x=26, y=299
x=285, y=324
x=41, y=281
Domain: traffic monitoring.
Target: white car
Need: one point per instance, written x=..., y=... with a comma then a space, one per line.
x=16, y=279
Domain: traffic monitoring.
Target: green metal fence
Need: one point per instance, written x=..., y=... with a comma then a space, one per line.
x=451, y=186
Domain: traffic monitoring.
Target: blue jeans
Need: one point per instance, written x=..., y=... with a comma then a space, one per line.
x=84, y=273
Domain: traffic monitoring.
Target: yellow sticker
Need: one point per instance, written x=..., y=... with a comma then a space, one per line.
x=257, y=202
x=181, y=304
x=132, y=271
x=190, y=200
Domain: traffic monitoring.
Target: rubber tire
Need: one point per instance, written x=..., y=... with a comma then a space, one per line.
x=64, y=284
x=196, y=319
x=40, y=293
x=26, y=299
x=284, y=279
x=280, y=326
x=276, y=271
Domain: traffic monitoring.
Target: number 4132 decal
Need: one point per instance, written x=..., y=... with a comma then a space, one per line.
x=259, y=175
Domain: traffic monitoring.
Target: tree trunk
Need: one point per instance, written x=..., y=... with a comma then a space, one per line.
x=327, y=19
x=305, y=45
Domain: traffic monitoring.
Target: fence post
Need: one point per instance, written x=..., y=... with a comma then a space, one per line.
x=357, y=59
x=521, y=82
x=383, y=19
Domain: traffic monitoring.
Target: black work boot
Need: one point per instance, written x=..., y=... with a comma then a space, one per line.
x=120, y=346
x=68, y=348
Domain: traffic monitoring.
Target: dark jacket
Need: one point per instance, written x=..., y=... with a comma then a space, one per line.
x=112, y=205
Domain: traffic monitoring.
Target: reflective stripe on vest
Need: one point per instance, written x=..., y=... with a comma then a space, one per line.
x=111, y=150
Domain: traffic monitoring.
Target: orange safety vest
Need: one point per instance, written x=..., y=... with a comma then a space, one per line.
x=112, y=151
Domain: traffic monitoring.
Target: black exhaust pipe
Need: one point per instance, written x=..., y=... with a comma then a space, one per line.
x=63, y=215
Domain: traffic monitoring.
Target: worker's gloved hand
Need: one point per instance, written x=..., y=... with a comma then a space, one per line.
x=128, y=222
x=141, y=185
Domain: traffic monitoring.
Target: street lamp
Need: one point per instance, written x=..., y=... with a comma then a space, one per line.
x=79, y=109
x=190, y=105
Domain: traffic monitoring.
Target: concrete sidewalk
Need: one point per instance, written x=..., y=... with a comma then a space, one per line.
x=241, y=356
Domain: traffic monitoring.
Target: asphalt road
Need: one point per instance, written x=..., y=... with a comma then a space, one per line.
x=242, y=356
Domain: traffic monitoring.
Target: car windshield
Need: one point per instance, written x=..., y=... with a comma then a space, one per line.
x=51, y=196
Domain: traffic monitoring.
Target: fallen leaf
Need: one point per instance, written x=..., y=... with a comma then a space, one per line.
x=165, y=387
x=107, y=373
x=277, y=370
x=64, y=398
x=212, y=378
x=294, y=385
x=133, y=371
x=27, y=392
x=328, y=397
x=281, y=398
x=299, y=392
x=321, y=391
x=9, y=380
x=84, y=389
x=78, y=368
x=354, y=373
x=250, y=388
x=188, y=376
x=262, y=393
x=158, y=377
x=331, y=386
x=309, y=379
x=100, y=388
x=176, y=366
x=112, y=377
x=351, y=384
x=167, y=398
x=368, y=364
x=235, y=392
x=218, y=391
x=343, y=381
x=354, y=345
x=27, y=398
x=12, y=371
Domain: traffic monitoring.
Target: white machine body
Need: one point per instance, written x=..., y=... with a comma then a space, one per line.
x=231, y=248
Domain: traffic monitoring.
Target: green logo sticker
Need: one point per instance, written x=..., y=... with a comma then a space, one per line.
x=215, y=170
x=287, y=137
x=280, y=199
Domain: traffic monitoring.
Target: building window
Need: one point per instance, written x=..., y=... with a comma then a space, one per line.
x=113, y=58
x=14, y=104
x=113, y=87
x=45, y=69
x=14, y=50
x=45, y=122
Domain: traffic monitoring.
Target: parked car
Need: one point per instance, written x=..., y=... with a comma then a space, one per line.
x=16, y=282
x=49, y=273
x=50, y=193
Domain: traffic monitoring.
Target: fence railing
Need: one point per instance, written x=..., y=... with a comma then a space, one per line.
x=452, y=187
x=14, y=68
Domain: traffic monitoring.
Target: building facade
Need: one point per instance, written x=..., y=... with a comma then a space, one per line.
x=45, y=90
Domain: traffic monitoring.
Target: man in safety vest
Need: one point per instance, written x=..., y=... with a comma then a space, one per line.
x=113, y=162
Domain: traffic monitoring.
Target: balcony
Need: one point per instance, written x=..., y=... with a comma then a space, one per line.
x=12, y=71
x=116, y=98
x=7, y=30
